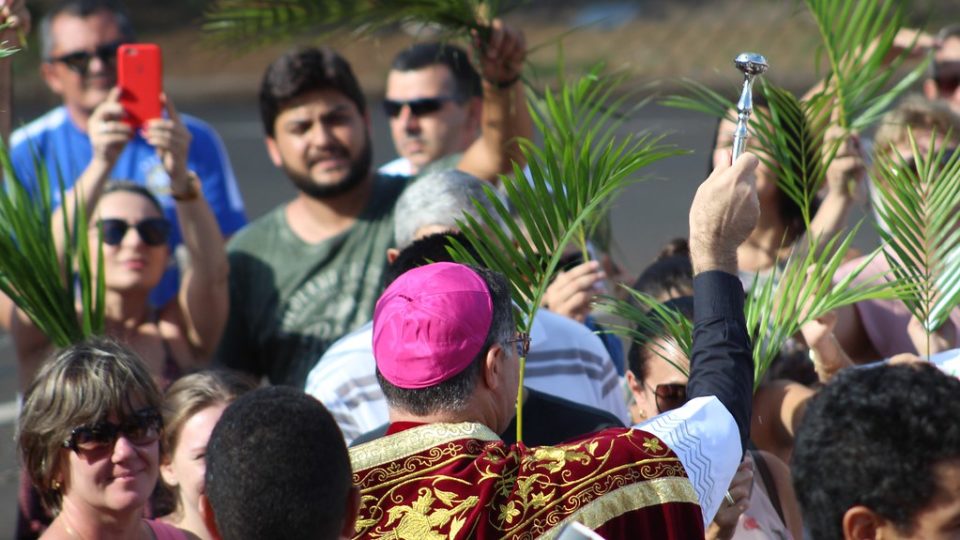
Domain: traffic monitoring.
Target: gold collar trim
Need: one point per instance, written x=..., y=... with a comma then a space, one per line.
x=413, y=441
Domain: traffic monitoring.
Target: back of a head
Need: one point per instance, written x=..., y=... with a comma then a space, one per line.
x=874, y=437
x=438, y=199
x=277, y=467
x=427, y=250
x=670, y=275
x=300, y=71
x=421, y=55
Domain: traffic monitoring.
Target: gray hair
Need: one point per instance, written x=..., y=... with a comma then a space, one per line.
x=83, y=9
x=438, y=199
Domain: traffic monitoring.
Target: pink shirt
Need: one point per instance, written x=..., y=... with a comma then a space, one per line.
x=884, y=321
x=163, y=531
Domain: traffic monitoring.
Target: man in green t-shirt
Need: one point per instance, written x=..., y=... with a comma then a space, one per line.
x=310, y=270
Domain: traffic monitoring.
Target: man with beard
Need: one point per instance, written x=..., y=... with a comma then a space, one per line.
x=310, y=271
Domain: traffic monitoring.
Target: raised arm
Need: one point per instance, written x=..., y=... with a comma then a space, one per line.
x=108, y=136
x=203, y=302
x=723, y=213
x=505, y=116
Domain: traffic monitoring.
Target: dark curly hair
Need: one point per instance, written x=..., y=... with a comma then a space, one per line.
x=874, y=437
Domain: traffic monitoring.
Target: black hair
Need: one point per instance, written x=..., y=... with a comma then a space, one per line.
x=277, y=467
x=671, y=273
x=637, y=356
x=83, y=9
x=466, y=80
x=302, y=70
x=454, y=393
x=875, y=436
x=429, y=249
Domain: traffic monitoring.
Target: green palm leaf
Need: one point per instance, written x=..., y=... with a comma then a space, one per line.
x=649, y=317
x=918, y=208
x=251, y=23
x=38, y=280
x=856, y=40
x=580, y=166
x=803, y=290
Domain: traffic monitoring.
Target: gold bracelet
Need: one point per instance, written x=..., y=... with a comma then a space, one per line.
x=192, y=192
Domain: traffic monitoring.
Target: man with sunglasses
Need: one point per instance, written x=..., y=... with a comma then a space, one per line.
x=86, y=135
x=944, y=80
x=433, y=103
x=310, y=271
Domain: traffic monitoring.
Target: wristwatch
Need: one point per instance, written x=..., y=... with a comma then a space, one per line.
x=192, y=191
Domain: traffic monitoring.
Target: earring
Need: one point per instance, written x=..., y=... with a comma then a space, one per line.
x=56, y=485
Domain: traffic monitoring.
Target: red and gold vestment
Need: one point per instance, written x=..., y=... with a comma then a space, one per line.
x=460, y=481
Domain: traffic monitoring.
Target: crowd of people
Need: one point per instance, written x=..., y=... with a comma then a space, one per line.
x=329, y=371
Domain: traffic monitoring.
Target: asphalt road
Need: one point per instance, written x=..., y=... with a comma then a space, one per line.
x=645, y=217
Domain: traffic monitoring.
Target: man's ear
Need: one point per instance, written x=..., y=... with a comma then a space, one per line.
x=861, y=523
x=273, y=151
x=392, y=254
x=492, y=364
x=206, y=512
x=49, y=74
x=350, y=514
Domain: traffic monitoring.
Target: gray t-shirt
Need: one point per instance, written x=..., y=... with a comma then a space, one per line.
x=289, y=300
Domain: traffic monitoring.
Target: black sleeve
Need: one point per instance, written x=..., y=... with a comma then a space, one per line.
x=722, y=361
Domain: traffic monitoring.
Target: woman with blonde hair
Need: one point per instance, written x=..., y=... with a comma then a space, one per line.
x=89, y=439
x=191, y=408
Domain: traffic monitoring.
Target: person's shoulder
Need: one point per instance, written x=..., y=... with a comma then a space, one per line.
x=559, y=329
x=577, y=412
x=53, y=120
x=347, y=359
x=252, y=237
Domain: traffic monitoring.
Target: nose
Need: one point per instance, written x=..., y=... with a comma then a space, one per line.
x=123, y=449
x=409, y=121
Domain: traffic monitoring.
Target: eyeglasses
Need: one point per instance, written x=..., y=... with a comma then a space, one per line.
x=141, y=428
x=418, y=107
x=79, y=61
x=153, y=231
x=522, y=342
x=669, y=396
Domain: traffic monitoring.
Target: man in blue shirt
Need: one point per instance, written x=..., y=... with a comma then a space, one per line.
x=80, y=41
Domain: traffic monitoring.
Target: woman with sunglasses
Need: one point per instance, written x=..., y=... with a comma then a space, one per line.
x=182, y=334
x=760, y=503
x=89, y=440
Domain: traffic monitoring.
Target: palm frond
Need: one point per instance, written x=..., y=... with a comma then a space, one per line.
x=856, y=39
x=650, y=317
x=803, y=290
x=581, y=165
x=33, y=275
x=247, y=24
x=918, y=209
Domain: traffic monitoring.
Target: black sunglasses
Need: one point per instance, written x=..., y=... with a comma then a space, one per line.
x=418, y=107
x=522, y=342
x=153, y=231
x=141, y=428
x=80, y=61
x=670, y=396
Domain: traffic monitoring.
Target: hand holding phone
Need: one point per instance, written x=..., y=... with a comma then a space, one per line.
x=139, y=76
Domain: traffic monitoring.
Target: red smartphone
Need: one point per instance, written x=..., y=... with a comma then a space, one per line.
x=140, y=77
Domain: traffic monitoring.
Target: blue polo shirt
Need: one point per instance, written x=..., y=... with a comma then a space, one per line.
x=65, y=151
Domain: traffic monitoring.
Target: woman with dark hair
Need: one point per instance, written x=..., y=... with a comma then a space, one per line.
x=760, y=502
x=781, y=226
x=89, y=440
x=172, y=338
